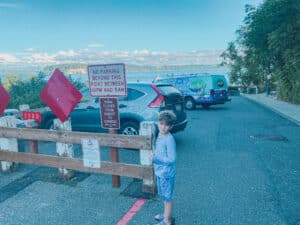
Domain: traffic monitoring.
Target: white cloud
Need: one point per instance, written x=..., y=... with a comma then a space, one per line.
x=30, y=50
x=40, y=58
x=88, y=56
x=8, y=58
x=70, y=53
x=143, y=52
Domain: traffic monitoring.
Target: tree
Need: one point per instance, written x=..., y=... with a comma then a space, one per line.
x=9, y=80
x=77, y=83
x=28, y=91
x=269, y=42
x=232, y=58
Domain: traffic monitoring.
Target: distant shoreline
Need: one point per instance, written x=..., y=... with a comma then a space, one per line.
x=81, y=68
x=76, y=69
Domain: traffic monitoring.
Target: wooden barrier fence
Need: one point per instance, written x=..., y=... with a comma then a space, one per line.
x=140, y=142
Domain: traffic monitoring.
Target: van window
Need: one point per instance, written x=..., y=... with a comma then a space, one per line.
x=220, y=83
x=167, y=89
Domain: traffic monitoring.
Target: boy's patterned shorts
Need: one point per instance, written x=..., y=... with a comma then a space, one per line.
x=165, y=188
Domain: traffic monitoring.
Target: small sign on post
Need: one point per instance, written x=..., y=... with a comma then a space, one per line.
x=110, y=117
x=29, y=115
x=91, y=153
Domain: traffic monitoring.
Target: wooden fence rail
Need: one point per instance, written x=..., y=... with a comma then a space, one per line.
x=143, y=143
x=108, y=140
x=121, y=169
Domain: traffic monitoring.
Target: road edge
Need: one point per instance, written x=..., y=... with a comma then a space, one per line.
x=272, y=109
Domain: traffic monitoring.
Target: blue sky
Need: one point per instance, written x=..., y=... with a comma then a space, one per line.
x=35, y=32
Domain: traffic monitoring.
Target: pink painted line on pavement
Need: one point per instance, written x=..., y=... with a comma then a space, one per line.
x=132, y=211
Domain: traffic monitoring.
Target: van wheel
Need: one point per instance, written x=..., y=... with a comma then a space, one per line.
x=130, y=128
x=189, y=103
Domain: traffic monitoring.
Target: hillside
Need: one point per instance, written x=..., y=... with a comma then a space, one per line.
x=82, y=68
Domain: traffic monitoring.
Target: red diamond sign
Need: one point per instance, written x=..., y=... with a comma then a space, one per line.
x=60, y=95
x=4, y=99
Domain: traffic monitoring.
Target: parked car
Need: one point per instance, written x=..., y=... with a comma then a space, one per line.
x=11, y=112
x=16, y=114
x=142, y=103
x=205, y=90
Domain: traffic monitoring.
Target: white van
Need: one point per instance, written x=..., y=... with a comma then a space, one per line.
x=205, y=90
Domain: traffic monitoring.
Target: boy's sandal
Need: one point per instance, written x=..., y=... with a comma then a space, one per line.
x=159, y=217
x=161, y=223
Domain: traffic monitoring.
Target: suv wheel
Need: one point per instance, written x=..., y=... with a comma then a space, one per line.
x=130, y=128
x=189, y=103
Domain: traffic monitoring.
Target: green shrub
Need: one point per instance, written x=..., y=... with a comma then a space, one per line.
x=28, y=91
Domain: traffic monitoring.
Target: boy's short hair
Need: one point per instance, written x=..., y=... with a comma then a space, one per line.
x=167, y=116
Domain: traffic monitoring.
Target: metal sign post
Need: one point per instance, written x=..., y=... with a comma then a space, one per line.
x=61, y=96
x=108, y=81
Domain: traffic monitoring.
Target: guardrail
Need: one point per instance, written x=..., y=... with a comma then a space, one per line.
x=144, y=143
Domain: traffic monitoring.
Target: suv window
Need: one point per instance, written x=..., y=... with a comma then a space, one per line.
x=85, y=95
x=132, y=94
x=167, y=89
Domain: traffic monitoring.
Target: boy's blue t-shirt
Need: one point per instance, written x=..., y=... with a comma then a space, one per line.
x=165, y=156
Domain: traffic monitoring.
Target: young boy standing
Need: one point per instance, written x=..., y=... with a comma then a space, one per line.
x=164, y=164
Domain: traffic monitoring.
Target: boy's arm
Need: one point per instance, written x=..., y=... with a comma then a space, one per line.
x=171, y=154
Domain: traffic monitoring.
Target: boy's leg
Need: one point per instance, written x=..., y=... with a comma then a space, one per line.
x=165, y=188
x=168, y=203
x=168, y=211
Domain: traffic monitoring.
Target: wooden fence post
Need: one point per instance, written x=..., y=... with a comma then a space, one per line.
x=33, y=144
x=148, y=128
x=114, y=156
x=64, y=149
x=8, y=144
x=29, y=123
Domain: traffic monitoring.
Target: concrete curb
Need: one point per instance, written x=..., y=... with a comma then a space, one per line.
x=270, y=107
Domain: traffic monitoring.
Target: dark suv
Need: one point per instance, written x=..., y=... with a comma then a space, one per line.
x=142, y=103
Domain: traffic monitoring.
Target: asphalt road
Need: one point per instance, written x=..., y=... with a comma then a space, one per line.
x=236, y=164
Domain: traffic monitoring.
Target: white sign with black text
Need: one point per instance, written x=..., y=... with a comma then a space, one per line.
x=91, y=153
x=107, y=80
